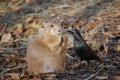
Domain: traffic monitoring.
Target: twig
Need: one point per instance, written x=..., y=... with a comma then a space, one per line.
x=21, y=39
x=31, y=14
x=69, y=56
x=95, y=73
x=60, y=7
x=13, y=58
x=11, y=69
x=108, y=34
x=2, y=30
x=65, y=72
x=10, y=49
x=3, y=64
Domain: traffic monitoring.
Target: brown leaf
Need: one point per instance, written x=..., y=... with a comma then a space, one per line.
x=24, y=78
x=17, y=33
x=95, y=45
x=29, y=19
x=36, y=24
x=117, y=78
x=70, y=41
x=14, y=1
x=1, y=62
x=15, y=8
x=28, y=1
x=6, y=37
x=118, y=27
x=106, y=47
x=93, y=25
x=118, y=48
x=14, y=76
x=102, y=77
x=29, y=32
x=11, y=64
x=2, y=29
x=117, y=15
x=80, y=23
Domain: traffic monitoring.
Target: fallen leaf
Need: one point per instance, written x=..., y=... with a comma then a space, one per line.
x=118, y=27
x=14, y=76
x=118, y=48
x=93, y=25
x=70, y=41
x=95, y=45
x=11, y=64
x=35, y=26
x=29, y=32
x=28, y=1
x=24, y=78
x=80, y=23
x=29, y=19
x=2, y=29
x=102, y=77
x=117, y=15
x=8, y=0
x=117, y=78
x=17, y=32
x=95, y=31
x=53, y=14
x=1, y=61
x=14, y=1
x=20, y=25
x=15, y=8
x=106, y=48
x=6, y=37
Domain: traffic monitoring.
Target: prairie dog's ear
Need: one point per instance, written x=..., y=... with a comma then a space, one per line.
x=64, y=42
x=65, y=39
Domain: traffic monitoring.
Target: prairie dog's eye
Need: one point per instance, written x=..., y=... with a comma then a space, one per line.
x=52, y=25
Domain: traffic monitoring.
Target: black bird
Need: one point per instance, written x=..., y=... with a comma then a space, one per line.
x=81, y=47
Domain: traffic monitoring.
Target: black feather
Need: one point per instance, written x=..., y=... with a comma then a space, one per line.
x=81, y=47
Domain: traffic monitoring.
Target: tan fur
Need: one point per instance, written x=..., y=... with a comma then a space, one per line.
x=45, y=54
